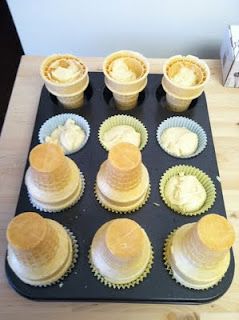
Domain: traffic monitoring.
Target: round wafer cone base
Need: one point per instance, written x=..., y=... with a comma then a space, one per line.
x=126, y=102
x=177, y=104
x=72, y=102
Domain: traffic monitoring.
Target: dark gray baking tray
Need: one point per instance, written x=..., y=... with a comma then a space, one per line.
x=158, y=221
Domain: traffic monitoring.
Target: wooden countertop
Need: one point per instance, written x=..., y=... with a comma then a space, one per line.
x=223, y=104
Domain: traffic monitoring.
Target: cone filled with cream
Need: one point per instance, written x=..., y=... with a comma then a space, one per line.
x=40, y=251
x=198, y=254
x=126, y=76
x=66, y=77
x=53, y=181
x=122, y=183
x=184, y=80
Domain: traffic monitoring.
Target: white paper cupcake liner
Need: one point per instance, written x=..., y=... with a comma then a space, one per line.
x=51, y=124
x=189, y=124
x=37, y=205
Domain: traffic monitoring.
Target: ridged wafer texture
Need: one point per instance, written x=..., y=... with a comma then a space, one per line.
x=43, y=252
x=202, y=177
x=121, y=252
x=187, y=123
x=192, y=264
x=117, y=120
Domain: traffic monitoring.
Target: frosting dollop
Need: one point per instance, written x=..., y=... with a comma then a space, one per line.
x=69, y=136
x=179, y=141
x=185, y=77
x=64, y=70
x=185, y=192
x=121, y=133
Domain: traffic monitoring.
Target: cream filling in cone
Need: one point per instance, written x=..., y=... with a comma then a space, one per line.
x=64, y=70
x=185, y=192
x=113, y=269
x=122, y=198
x=185, y=77
x=186, y=271
x=47, y=273
x=120, y=71
x=45, y=195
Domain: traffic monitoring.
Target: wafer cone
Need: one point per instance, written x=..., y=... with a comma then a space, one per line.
x=199, y=253
x=120, y=251
x=53, y=180
x=126, y=93
x=179, y=97
x=122, y=182
x=39, y=250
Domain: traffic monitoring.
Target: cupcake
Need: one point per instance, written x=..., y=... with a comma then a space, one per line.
x=66, y=77
x=125, y=75
x=121, y=253
x=122, y=183
x=187, y=190
x=54, y=182
x=40, y=251
x=184, y=80
x=122, y=128
x=198, y=254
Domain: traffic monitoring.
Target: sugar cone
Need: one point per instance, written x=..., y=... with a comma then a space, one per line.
x=39, y=250
x=126, y=93
x=120, y=251
x=53, y=180
x=199, y=253
x=122, y=182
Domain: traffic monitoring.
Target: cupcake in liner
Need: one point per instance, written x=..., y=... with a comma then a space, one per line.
x=123, y=285
x=202, y=177
x=119, y=210
x=79, y=193
x=123, y=120
x=51, y=124
x=183, y=123
x=200, y=256
x=41, y=252
x=121, y=254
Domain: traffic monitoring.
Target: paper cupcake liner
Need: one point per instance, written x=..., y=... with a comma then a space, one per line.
x=75, y=251
x=137, y=207
x=118, y=286
x=51, y=124
x=63, y=207
x=166, y=248
x=202, y=177
x=123, y=120
x=183, y=123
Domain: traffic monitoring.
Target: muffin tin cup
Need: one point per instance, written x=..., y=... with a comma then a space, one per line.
x=123, y=120
x=202, y=177
x=183, y=123
x=166, y=249
x=128, y=285
x=51, y=124
x=121, y=211
x=75, y=251
x=63, y=207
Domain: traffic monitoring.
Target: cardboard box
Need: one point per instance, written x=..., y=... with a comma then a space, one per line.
x=229, y=54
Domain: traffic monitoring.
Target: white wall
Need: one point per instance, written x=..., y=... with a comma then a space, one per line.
x=156, y=28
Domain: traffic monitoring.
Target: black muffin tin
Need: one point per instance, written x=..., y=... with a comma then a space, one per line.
x=84, y=218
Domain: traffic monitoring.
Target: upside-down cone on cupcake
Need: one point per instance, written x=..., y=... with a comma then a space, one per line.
x=40, y=251
x=66, y=77
x=125, y=76
x=184, y=80
x=53, y=181
x=121, y=252
x=199, y=253
x=122, y=183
